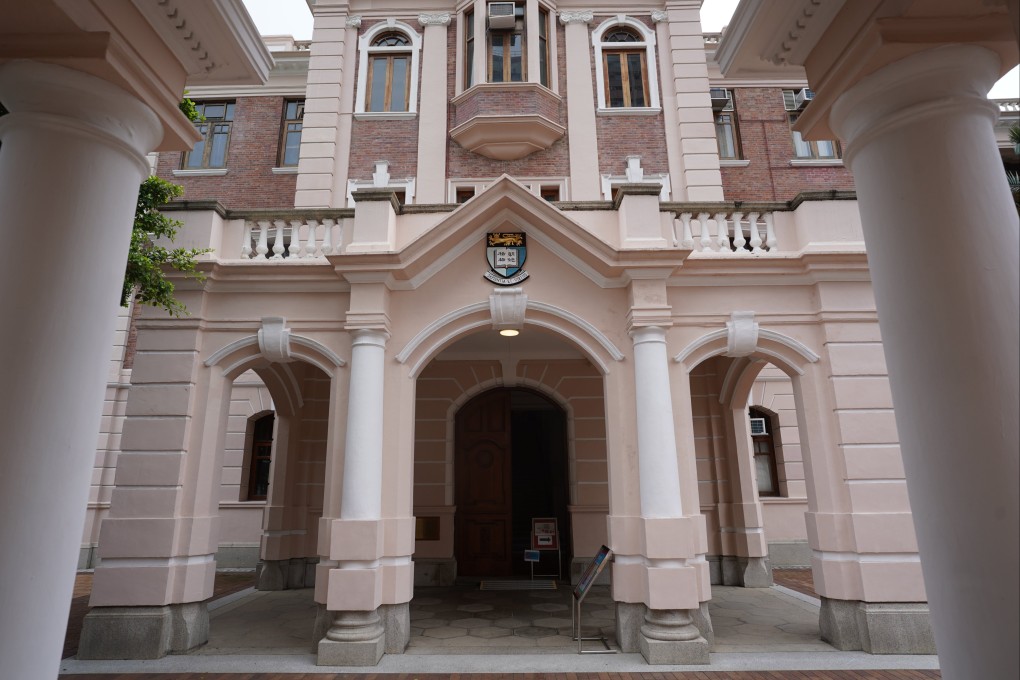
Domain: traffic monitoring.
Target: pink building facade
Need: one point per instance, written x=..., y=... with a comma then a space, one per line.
x=467, y=272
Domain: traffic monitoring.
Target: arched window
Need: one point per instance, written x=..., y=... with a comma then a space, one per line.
x=259, y=458
x=763, y=447
x=625, y=75
x=388, y=69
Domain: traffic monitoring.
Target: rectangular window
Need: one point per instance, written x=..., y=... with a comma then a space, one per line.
x=550, y=193
x=211, y=150
x=388, y=86
x=507, y=56
x=465, y=194
x=726, y=136
x=290, y=140
x=469, y=49
x=543, y=46
x=804, y=149
x=626, y=78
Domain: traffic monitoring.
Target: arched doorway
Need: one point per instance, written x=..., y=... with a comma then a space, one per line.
x=510, y=466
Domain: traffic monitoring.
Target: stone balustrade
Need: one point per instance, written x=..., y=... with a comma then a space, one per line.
x=726, y=231
x=301, y=238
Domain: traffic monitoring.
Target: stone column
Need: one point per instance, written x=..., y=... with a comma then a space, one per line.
x=581, y=133
x=73, y=156
x=752, y=566
x=943, y=242
x=432, y=124
x=668, y=635
x=356, y=636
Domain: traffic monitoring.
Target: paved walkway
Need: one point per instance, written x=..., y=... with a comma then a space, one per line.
x=760, y=634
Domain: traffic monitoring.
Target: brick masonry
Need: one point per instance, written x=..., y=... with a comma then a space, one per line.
x=766, y=141
x=252, y=153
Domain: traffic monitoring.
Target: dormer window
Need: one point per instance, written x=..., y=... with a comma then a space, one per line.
x=625, y=65
x=388, y=70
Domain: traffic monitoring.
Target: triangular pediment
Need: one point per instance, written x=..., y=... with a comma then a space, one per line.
x=508, y=206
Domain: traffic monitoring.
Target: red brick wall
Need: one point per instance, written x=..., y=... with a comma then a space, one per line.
x=766, y=141
x=395, y=141
x=251, y=154
x=621, y=135
x=552, y=162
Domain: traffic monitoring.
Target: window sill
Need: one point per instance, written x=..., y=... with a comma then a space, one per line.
x=630, y=111
x=733, y=163
x=201, y=172
x=817, y=162
x=386, y=115
x=287, y=170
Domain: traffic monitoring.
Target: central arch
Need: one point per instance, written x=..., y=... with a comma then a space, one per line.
x=511, y=469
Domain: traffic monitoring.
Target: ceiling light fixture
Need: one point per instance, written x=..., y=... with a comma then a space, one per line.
x=509, y=332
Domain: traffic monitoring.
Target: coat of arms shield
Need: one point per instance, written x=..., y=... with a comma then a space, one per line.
x=506, y=253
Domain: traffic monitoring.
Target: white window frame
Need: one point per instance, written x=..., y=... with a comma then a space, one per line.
x=648, y=44
x=365, y=50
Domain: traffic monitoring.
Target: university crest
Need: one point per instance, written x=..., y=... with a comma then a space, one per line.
x=506, y=253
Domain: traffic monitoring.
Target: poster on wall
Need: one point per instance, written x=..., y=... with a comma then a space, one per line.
x=544, y=534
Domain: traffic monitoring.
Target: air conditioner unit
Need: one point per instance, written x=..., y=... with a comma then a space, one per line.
x=758, y=426
x=721, y=99
x=802, y=97
x=501, y=16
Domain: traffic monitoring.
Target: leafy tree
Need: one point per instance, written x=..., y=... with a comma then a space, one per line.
x=1012, y=175
x=145, y=278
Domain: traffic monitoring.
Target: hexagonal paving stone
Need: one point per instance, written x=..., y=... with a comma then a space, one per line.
x=490, y=632
x=602, y=614
x=535, y=632
x=546, y=594
x=431, y=623
x=425, y=601
x=445, y=632
x=471, y=623
x=550, y=607
x=419, y=614
x=475, y=607
x=512, y=622
x=553, y=623
x=495, y=614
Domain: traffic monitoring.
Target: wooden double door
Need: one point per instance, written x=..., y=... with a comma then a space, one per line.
x=488, y=533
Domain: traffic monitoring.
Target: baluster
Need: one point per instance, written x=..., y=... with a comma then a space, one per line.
x=688, y=238
x=676, y=241
x=278, y=240
x=706, y=239
x=738, y=234
x=246, y=241
x=310, y=244
x=770, y=234
x=295, y=239
x=263, y=245
x=327, y=236
x=722, y=231
x=752, y=225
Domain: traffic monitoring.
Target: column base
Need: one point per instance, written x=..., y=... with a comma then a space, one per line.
x=430, y=573
x=297, y=572
x=757, y=572
x=630, y=616
x=669, y=637
x=143, y=632
x=353, y=639
x=877, y=627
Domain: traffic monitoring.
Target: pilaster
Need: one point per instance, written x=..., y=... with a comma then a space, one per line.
x=581, y=133
x=697, y=177
x=432, y=122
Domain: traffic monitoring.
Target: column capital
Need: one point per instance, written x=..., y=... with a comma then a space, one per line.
x=369, y=336
x=922, y=85
x=437, y=19
x=579, y=17
x=354, y=21
x=659, y=16
x=38, y=94
x=643, y=334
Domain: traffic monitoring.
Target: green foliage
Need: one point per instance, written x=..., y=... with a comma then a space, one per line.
x=144, y=278
x=188, y=109
x=1014, y=137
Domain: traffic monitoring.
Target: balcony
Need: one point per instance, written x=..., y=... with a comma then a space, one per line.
x=507, y=121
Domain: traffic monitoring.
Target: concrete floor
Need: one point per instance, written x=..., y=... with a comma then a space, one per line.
x=465, y=620
x=465, y=630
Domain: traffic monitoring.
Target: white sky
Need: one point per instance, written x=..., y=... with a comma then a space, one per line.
x=292, y=17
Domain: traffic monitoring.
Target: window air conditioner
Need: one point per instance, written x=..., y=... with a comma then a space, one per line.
x=758, y=426
x=721, y=99
x=802, y=97
x=501, y=16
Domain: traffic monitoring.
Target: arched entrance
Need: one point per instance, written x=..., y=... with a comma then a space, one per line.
x=510, y=467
